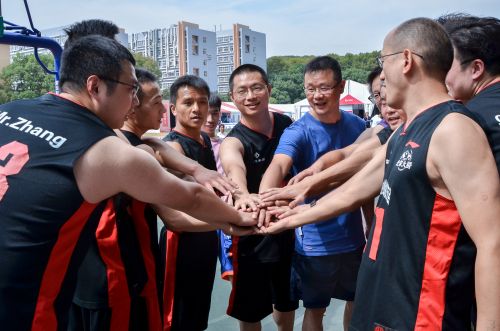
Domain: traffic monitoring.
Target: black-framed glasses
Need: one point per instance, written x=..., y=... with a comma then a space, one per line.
x=374, y=97
x=466, y=61
x=135, y=87
x=256, y=89
x=380, y=59
x=323, y=90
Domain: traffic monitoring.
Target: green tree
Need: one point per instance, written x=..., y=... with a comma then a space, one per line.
x=147, y=63
x=24, y=78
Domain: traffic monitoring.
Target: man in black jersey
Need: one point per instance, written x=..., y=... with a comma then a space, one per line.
x=62, y=162
x=261, y=264
x=474, y=77
x=436, y=235
x=190, y=256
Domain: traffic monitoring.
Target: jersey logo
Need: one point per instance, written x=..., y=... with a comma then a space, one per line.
x=380, y=327
x=497, y=117
x=386, y=191
x=412, y=144
x=257, y=158
x=405, y=161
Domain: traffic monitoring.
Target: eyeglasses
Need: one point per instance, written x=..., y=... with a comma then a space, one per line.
x=256, y=89
x=466, y=61
x=374, y=97
x=322, y=90
x=380, y=60
x=135, y=87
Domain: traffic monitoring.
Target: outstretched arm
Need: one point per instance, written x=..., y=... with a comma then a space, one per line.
x=111, y=166
x=171, y=158
x=363, y=186
x=328, y=179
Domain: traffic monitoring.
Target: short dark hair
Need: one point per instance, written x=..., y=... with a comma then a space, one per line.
x=188, y=80
x=143, y=77
x=214, y=101
x=427, y=38
x=93, y=55
x=322, y=63
x=372, y=76
x=474, y=38
x=89, y=27
x=247, y=68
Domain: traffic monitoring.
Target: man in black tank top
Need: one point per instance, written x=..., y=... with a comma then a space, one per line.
x=474, y=77
x=261, y=264
x=60, y=163
x=438, y=207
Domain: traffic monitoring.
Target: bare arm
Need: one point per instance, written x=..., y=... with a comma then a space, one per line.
x=171, y=158
x=231, y=157
x=276, y=172
x=363, y=186
x=327, y=179
x=111, y=166
x=461, y=166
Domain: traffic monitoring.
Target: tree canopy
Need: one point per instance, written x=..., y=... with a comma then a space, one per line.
x=24, y=78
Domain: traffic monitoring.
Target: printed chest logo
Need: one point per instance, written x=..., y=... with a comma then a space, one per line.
x=257, y=158
x=497, y=118
x=406, y=159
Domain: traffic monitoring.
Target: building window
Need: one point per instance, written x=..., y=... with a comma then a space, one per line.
x=204, y=39
x=194, y=40
x=204, y=51
x=196, y=72
x=205, y=74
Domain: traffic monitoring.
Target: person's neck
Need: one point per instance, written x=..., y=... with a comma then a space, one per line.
x=133, y=128
x=331, y=117
x=422, y=96
x=260, y=122
x=78, y=98
x=193, y=133
x=486, y=82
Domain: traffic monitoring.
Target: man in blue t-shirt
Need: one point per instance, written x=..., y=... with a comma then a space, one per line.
x=328, y=254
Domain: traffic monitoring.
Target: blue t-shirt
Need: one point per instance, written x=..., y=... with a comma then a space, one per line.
x=305, y=141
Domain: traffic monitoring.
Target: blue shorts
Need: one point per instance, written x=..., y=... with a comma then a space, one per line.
x=318, y=279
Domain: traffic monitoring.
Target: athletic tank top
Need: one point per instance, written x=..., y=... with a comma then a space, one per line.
x=417, y=267
x=45, y=221
x=486, y=108
x=258, y=152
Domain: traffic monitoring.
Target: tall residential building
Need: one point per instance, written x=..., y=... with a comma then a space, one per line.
x=60, y=36
x=180, y=49
x=235, y=47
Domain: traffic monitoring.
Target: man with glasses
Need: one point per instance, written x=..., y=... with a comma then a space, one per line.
x=327, y=255
x=261, y=263
x=434, y=245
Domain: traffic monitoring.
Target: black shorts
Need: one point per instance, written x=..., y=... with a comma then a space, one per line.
x=86, y=319
x=318, y=279
x=259, y=286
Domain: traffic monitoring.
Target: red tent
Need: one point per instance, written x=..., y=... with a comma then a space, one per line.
x=350, y=100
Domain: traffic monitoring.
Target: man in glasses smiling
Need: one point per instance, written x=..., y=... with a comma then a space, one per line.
x=327, y=255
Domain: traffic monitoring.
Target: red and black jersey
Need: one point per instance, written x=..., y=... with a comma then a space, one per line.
x=191, y=257
x=258, y=152
x=45, y=222
x=418, y=264
x=486, y=108
x=119, y=272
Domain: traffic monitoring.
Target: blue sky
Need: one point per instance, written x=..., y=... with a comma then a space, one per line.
x=293, y=27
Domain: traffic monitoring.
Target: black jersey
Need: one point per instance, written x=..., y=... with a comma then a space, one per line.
x=45, y=222
x=486, y=108
x=384, y=135
x=119, y=271
x=417, y=268
x=258, y=152
x=132, y=138
x=191, y=257
x=259, y=149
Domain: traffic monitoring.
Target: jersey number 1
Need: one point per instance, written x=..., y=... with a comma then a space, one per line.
x=13, y=157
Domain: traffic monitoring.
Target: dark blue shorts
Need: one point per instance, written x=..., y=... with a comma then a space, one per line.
x=318, y=279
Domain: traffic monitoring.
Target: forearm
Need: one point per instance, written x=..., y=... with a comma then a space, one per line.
x=272, y=178
x=171, y=158
x=487, y=277
x=177, y=221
